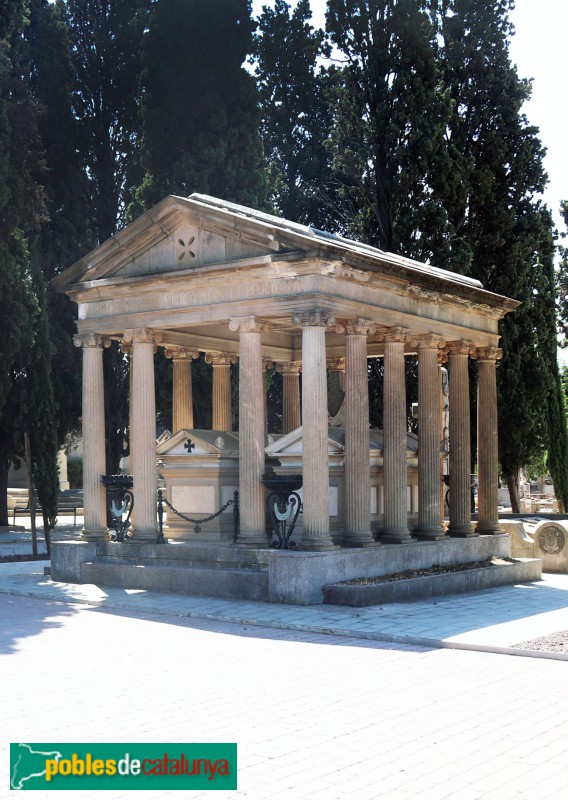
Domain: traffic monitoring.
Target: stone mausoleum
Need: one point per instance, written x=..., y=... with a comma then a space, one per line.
x=198, y=275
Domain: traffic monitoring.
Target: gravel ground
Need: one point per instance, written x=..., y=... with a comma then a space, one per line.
x=554, y=642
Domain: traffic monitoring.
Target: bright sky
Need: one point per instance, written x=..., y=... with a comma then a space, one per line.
x=540, y=51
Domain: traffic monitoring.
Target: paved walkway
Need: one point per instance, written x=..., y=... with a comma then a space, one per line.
x=320, y=705
x=494, y=619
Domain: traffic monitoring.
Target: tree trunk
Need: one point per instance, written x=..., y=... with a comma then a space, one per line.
x=513, y=487
x=31, y=492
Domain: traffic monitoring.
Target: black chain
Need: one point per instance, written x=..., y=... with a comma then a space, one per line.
x=198, y=522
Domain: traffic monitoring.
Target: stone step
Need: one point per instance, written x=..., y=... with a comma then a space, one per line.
x=407, y=589
x=244, y=584
x=181, y=563
x=186, y=553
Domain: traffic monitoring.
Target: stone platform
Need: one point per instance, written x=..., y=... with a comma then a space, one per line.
x=277, y=576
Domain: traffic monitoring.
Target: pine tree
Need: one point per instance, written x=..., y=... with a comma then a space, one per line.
x=199, y=108
x=562, y=285
x=295, y=113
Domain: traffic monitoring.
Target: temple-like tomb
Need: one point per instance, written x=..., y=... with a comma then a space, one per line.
x=199, y=275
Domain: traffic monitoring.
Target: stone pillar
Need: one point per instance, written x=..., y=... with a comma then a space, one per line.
x=182, y=396
x=143, y=434
x=251, y=432
x=316, y=534
x=395, y=468
x=221, y=362
x=429, y=432
x=460, y=448
x=487, y=452
x=62, y=464
x=290, y=394
x=357, y=473
x=94, y=459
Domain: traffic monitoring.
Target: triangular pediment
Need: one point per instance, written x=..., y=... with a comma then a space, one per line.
x=292, y=444
x=199, y=443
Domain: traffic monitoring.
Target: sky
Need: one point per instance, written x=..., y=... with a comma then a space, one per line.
x=540, y=51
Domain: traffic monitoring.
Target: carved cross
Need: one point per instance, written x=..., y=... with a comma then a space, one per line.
x=189, y=446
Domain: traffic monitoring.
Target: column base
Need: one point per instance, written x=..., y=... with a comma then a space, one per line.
x=95, y=535
x=253, y=540
x=462, y=532
x=430, y=534
x=489, y=528
x=358, y=539
x=396, y=537
x=314, y=544
x=140, y=536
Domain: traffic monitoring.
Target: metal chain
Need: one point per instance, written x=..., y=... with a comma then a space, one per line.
x=198, y=521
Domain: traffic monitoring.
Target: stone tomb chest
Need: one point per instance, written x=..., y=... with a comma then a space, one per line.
x=201, y=471
x=287, y=451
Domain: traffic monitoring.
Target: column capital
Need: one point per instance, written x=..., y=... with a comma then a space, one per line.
x=428, y=341
x=179, y=353
x=249, y=324
x=359, y=327
x=91, y=340
x=267, y=363
x=487, y=353
x=218, y=359
x=142, y=336
x=442, y=357
x=336, y=364
x=395, y=335
x=289, y=367
x=314, y=318
x=462, y=348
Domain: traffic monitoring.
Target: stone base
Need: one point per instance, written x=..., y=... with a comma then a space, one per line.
x=407, y=589
x=278, y=576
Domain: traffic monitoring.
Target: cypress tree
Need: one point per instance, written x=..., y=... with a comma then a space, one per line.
x=295, y=113
x=21, y=210
x=199, y=106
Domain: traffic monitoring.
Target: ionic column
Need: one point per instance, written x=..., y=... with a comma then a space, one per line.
x=395, y=469
x=251, y=432
x=429, y=433
x=182, y=395
x=143, y=434
x=460, y=447
x=487, y=450
x=221, y=362
x=316, y=534
x=290, y=394
x=94, y=459
x=357, y=473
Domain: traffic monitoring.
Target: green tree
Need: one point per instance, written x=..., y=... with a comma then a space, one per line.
x=562, y=285
x=390, y=155
x=199, y=106
x=21, y=210
x=105, y=40
x=295, y=114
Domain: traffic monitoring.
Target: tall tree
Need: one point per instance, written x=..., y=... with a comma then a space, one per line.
x=388, y=138
x=199, y=107
x=295, y=113
x=21, y=210
x=499, y=225
x=105, y=43
x=562, y=288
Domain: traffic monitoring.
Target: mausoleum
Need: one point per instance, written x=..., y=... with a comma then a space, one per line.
x=199, y=274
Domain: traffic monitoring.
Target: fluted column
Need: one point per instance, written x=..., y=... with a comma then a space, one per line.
x=487, y=450
x=142, y=342
x=94, y=459
x=316, y=534
x=357, y=473
x=395, y=469
x=290, y=394
x=429, y=435
x=182, y=395
x=221, y=362
x=251, y=432
x=460, y=447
